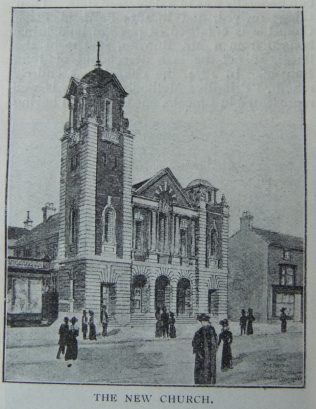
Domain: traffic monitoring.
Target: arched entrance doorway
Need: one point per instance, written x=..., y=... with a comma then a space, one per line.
x=139, y=296
x=184, y=305
x=162, y=292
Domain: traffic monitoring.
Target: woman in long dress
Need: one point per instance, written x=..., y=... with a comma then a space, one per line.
x=250, y=320
x=72, y=344
x=172, y=328
x=227, y=337
x=92, y=327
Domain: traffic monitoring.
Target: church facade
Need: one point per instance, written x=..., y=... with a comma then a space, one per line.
x=133, y=248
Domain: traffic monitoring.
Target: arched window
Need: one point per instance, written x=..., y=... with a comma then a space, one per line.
x=72, y=225
x=109, y=225
x=108, y=114
x=214, y=241
x=109, y=228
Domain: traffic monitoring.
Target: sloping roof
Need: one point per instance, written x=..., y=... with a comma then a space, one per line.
x=14, y=233
x=42, y=231
x=139, y=184
x=279, y=239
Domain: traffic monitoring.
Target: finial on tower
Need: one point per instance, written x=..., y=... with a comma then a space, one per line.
x=98, y=62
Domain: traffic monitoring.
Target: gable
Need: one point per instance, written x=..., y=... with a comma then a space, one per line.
x=163, y=186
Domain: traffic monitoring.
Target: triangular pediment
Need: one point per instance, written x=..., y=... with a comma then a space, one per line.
x=163, y=184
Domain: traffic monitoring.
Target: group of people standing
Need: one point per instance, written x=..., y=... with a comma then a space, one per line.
x=68, y=333
x=205, y=344
x=245, y=322
x=165, y=324
x=68, y=344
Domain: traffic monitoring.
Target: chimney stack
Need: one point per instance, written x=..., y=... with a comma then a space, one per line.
x=246, y=221
x=48, y=210
x=28, y=223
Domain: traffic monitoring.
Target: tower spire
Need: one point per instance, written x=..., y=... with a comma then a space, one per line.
x=98, y=62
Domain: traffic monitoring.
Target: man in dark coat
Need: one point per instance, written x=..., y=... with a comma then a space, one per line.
x=204, y=347
x=165, y=322
x=283, y=319
x=63, y=335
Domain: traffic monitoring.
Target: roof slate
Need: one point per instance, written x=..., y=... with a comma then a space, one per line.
x=14, y=233
x=279, y=239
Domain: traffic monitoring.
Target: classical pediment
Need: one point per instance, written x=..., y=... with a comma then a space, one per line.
x=163, y=188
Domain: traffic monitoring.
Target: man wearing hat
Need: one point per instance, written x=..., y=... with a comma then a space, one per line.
x=204, y=347
x=283, y=319
x=63, y=334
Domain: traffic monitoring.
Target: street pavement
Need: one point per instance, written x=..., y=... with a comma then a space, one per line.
x=133, y=356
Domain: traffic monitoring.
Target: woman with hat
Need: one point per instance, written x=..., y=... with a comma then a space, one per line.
x=250, y=320
x=204, y=347
x=92, y=327
x=283, y=319
x=172, y=328
x=227, y=337
x=72, y=344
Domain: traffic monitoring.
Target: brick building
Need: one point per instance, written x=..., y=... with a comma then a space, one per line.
x=266, y=272
x=131, y=247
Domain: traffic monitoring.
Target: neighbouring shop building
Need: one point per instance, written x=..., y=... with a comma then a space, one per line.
x=131, y=247
x=266, y=272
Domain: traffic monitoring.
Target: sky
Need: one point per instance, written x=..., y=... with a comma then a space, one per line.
x=213, y=93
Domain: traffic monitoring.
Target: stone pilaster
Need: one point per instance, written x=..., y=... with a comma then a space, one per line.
x=177, y=236
x=127, y=194
x=153, y=231
x=62, y=198
x=86, y=239
x=202, y=236
x=201, y=258
x=166, y=246
x=193, y=238
x=223, y=290
x=173, y=298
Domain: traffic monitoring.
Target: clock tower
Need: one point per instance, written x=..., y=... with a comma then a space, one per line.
x=95, y=196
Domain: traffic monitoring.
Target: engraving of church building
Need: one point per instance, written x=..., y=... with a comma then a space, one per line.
x=138, y=247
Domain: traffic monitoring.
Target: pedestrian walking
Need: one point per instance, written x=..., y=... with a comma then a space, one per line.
x=172, y=328
x=204, y=347
x=84, y=324
x=158, y=332
x=250, y=320
x=165, y=322
x=92, y=328
x=72, y=344
x=283, y=319
x=243, y=322
x=104, y=321
x=227, y=337
x=63, y=333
